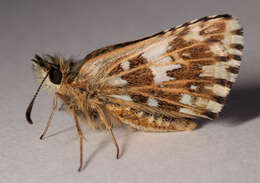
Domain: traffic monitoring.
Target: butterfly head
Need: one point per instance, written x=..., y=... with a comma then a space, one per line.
x=50, y=65
x=48, y=71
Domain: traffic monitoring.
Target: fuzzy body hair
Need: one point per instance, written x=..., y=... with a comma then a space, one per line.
x=70, y=69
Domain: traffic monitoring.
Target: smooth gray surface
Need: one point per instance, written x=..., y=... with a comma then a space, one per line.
x=224, y=150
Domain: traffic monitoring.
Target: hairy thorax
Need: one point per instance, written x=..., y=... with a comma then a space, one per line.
x=83, y=98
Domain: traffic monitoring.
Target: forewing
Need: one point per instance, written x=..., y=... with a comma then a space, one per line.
x=183, y=72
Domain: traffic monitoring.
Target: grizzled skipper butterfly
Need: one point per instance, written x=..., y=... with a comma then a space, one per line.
x=160, y=83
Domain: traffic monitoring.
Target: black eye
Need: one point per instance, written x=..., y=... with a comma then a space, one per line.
x=55, y=76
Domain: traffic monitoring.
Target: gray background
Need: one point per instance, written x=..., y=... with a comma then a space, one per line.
x=224, y=150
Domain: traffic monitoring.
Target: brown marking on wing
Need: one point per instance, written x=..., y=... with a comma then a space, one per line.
x=217, y=27
x=222, y=58
x=224, y=82
x=237, y=32
x=237, y=46
x=167, y=106
x=150, y=122
x=183, y=31
x=179, y=43
x=191, y=71
x=214, y=38
x=233, y=70
x=196, y=52
x=236, y=57
x=139, y=99
x=116, y=70
x=186, y=85
x=139, y=77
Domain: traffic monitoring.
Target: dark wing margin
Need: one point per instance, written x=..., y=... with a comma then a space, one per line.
x=109, y=48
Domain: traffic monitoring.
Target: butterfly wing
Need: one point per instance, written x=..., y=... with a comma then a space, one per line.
x=161, y=82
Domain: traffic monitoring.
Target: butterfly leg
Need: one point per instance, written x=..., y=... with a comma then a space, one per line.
x=81, y=137
x=54, y=107
x=109, y=128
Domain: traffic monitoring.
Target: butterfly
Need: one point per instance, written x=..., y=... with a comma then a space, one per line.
x=160, y=83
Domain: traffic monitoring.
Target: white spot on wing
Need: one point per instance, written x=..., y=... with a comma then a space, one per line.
x=117, y=82
x=234, y=25
x=156, y=52
x=219, y=70
x=125, y=65
x=186, y=99
x=193, y=34
x=186, y=54
x=219, y=90
x=152, y=102
x=187, y=111
x=218, y=49
x=237, y=39
x=214, y=106
x=234, y=63
x=235, y=52
x=122, y=97
x=160, y=72
x=193, y=87
x=232, y=77
x=208, y=70
x=164, y=60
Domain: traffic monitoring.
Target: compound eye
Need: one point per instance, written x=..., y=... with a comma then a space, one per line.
x=55, y=76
